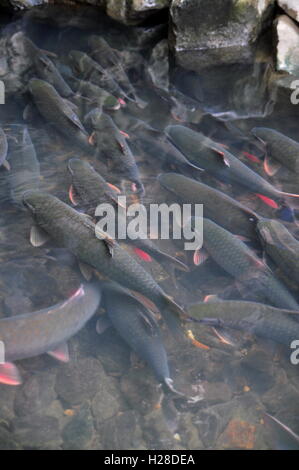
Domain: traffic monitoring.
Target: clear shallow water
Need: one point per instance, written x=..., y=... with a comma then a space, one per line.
x=102, y=399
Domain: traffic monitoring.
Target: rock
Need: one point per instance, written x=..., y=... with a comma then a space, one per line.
x=37, y=432
x=36, y=394
x=216, y=392
x=287, y=45
x=238, y=435
x=157, y=433
x=78, y=432
x=7, y=397
x=291, y=7
x=140, y=389
x=122, y=432
x=158, y=66
x=8, y=441
x=107, y=401
x=217, y=32
x=79, y=380
x=135, y=11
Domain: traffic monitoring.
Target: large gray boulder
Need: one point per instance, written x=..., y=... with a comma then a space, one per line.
x=219, y=31
x=287, y=45
x=291, y=7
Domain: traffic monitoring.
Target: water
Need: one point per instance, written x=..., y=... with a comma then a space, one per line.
x=103, y=398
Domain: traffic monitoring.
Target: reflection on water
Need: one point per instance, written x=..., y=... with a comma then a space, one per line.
x=105, y=397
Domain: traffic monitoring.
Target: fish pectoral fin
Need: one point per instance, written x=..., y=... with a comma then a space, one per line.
x=61, y=353
x=73, y=195
x=86, y=270
x=195, y=342
x=103, y=323
x=221, y=155
x=223, y=336
x=271, y=166
x=6, y=165
x=211, y=298
x=200, y=256
x=148, y=321
x=109, y=242
x=38, y=236
x=9, y=374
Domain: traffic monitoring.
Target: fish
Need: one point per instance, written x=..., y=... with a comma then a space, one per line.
x=58, y=112
x=92, y=190
x=3, y=149
x=154, y=142
x=25, y=167
x=86, y=68
x=112, y=144
x=241, y=262
x=283, y=437
x=47, y=70
x=281, y=246
x=45, y=331
x=281, y=150
x=218, y=206
x=95, y=95
x=76, y=232
x=259, y=319
x=89, y=186
x=111, y=59
x=138, y=328
x=222, y=164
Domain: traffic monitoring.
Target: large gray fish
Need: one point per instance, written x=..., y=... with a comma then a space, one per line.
x=25, y=168
x=86, y=68
x=218, y=206
x=47, y=330
x=110, y=59
x=75, y=231
x=112, y=144
x=88, y=187
x=138, y=328
x=92, y=190
x=47, y=70
x=154, y=143
x=58, y=112
x=95, y=95
x=237, y=259
x=281, y=246
x=3, y=149
x=213, y=158
x=282, y=149
x=259, y=319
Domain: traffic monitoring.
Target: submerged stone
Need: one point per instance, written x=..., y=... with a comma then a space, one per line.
x=217, y=32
